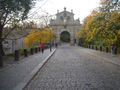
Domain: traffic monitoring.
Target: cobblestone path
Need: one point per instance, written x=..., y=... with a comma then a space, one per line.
x=72, y=68
x=13, y=74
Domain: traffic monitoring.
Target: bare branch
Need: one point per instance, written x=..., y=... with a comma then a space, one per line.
x=5, y=36
x=17, y=37
x=6, y=22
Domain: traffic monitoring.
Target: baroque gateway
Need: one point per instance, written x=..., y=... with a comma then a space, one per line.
x=64, y=26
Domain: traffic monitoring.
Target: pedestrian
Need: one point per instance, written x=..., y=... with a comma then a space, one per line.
x=50, y=47
x=112, y=48
x=42, y=46
x=56, y=45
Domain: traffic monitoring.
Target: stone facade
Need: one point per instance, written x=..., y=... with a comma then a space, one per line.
x=65, y=22
x=15, y=41
x=11, y=45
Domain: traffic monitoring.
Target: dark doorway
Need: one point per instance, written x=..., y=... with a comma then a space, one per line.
x=65, y=36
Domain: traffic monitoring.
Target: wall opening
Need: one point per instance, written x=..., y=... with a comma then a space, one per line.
x=65, y=36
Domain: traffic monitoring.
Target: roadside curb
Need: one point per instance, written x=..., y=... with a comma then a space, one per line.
x=31, y=75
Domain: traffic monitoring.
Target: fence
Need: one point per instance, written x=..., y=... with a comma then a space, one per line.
x=106, y=49
x=26, y=52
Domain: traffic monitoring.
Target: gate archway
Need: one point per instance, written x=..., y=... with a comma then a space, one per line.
x=65, y=36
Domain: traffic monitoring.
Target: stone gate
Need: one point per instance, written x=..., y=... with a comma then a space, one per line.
x=64, y=21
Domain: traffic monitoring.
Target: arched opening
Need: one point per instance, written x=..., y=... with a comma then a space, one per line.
x=65, y=36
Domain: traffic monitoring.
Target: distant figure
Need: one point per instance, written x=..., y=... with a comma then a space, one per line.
x=112, y=49
x=50, y=47
x=56, y=45
x=42, y=46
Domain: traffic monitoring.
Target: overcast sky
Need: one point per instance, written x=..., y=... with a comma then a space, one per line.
x=81, y=8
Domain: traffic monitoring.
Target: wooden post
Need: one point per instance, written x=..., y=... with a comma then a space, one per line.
x=36, y=50
x=100, y=48
x=92, y=47
x=107, y=49
x=96, y=48
x=16, y=55
x=31, y=51
x=25, y=53
x=115, y=50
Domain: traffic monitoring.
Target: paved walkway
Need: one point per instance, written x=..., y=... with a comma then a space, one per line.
x=76, y=68
x=12, y=75
x=115, y=59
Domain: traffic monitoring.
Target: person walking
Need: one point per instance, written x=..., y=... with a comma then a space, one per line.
x=50, y=47
x=56, y=45
x=42, y=46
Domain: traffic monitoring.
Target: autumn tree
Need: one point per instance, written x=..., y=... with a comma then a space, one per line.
x=101, y=28
x=111, y=10
x=11, y=12
x=84, y=32
x=37, y=36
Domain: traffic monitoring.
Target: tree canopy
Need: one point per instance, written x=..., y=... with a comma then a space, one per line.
x=11, y=12
x=37, y=36
x=14, y=8
x=102, y=27
x=109, y=5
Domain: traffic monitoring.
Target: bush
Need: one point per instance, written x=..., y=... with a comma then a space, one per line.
x=21, y=51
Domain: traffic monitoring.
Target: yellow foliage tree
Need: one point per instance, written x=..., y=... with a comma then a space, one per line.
x=36, y=36
x=101, y=29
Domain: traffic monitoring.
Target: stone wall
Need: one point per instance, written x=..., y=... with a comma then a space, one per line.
x=65, y=22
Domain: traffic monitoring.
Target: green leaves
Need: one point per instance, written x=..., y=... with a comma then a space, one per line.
x=109, y=5
x=101, y=29
x=36, y=36
x=14, y=8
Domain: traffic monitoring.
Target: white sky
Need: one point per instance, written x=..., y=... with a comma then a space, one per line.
x=81, y=8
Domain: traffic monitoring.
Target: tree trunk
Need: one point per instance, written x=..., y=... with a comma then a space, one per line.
x=1, y=46
x=1, y=59
x=2, y=50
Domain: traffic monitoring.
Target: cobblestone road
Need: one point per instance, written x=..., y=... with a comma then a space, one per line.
x=72, y=68
x=14, y=74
